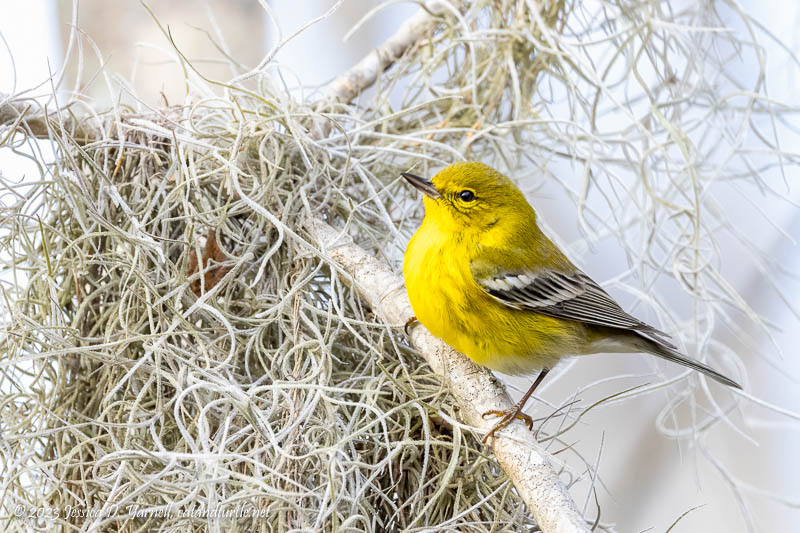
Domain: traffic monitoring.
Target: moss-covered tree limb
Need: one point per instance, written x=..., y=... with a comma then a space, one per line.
x=365, y=73
x=34, y=119
x=474, y=388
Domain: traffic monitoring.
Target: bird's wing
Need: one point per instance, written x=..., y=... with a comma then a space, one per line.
x=573, y=296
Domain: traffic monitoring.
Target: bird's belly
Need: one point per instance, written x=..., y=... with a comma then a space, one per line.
x=450, y=304
x=515, y=342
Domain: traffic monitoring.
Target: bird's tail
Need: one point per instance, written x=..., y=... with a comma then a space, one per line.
x=671, y=354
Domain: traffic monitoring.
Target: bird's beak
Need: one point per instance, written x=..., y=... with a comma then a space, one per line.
x=425, y=186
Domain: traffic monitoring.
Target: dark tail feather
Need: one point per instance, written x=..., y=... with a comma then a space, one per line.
x=676, y=357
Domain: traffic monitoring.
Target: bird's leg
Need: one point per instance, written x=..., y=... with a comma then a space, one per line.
x=409, y=323
x=509, y=415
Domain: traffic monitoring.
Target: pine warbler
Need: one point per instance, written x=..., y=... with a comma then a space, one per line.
x=483, y=277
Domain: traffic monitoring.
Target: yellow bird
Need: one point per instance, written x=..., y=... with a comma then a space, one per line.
x=483, y=277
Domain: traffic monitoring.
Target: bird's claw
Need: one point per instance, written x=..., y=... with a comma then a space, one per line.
x=409, y=323
x=507, y=416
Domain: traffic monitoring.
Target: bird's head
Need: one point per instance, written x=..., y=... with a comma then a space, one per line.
x=471, y=197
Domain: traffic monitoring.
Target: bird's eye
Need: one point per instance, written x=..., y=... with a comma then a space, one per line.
x=466, y=196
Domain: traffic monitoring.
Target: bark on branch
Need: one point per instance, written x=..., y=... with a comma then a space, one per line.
x=474, y=388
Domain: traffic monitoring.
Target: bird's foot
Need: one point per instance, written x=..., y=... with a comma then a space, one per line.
x=409, y=323
x=507, y=416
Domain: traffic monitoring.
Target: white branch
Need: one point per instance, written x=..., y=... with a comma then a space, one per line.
x=364, y=73
x=474, y=388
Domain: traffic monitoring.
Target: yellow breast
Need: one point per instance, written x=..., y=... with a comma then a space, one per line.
x=446, y=300
x=435, y=282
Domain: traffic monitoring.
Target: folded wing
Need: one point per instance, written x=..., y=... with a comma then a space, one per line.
x=573, y=296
